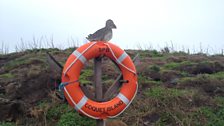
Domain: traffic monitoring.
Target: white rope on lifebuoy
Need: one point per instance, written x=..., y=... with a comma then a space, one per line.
x=118, y=61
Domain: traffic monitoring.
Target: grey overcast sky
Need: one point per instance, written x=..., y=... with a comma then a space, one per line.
x=187, y=23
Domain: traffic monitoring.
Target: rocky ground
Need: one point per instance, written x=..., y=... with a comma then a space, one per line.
x=175, y=89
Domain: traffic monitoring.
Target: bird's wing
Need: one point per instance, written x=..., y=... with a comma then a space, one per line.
x=98, y=35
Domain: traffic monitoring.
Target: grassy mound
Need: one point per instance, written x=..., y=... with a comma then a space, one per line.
x=174, y=89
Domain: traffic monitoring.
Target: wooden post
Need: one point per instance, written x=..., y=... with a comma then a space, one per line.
x=115, y=86
x=99, y=96
x=98, y=85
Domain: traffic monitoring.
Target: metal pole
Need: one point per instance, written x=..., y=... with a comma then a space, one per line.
x=98, y=85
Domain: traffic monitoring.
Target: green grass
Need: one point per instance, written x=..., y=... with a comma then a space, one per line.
x=162, y=92
x=196, y=99
x=179, y=53
x=184, y=74
x=185, y=80
x=203, y=79
x=57, y=111
x=7, y=124
x=143, y=79
x=215, y=117
x=7, y=76
x=176, y=66
x=67, y=116
x=155, y=53
x=144, y=54
x=15, y=63
x=154, y=82
x=85, y=77
x=219, y=75
x=74, y=119
x=154, y=68
x=24, y=60
x=42, y=50
x=164, y=119
x=150, y=53
x=219, y=100
x=172, y=65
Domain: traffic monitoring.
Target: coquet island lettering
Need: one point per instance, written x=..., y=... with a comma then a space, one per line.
x=104, y=110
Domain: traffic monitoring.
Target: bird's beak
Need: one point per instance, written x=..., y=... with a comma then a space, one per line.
x=115, y=27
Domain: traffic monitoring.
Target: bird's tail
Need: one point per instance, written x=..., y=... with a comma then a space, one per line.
x=89, y=37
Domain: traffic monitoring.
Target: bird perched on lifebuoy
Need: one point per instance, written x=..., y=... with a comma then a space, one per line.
x=103, y=34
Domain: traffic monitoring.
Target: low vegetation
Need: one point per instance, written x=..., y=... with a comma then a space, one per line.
x=175, y=88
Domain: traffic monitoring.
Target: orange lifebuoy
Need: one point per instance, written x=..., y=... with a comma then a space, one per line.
x=75, y=96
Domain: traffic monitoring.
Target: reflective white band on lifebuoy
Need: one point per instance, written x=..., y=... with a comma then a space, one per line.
x=93, y=43
x=122, y=57
x=81, y=103
x=123, y=98
x=76, y=105
x=133, y=71
x=80, y=56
